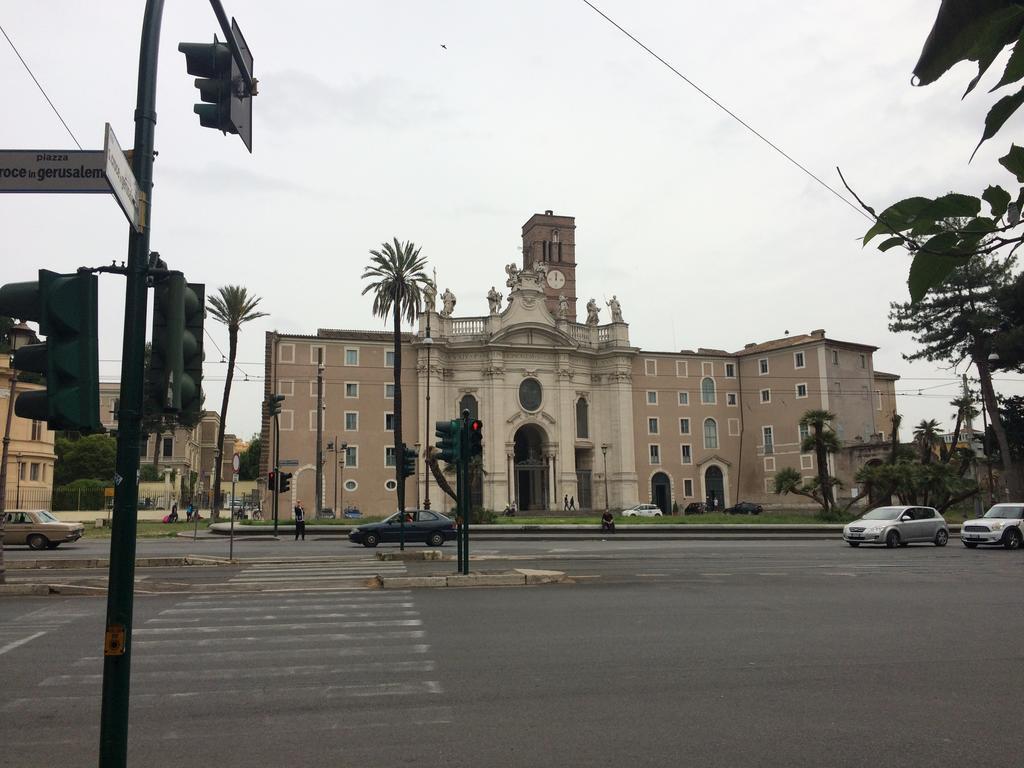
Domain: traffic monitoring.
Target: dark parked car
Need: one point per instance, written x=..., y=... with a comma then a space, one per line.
x=424, y=525
x=695, y=508
x=744, y=508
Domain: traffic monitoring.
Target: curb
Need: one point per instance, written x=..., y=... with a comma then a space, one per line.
x=18, y=590
x=520, y=577
x=104, y=562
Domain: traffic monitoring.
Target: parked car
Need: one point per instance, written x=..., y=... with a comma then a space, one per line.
x=695, y=508
x=897, y=526
x=744, y=508
x=424, y=525
x=642, y=510
x=39, y=529
x=1002, y=524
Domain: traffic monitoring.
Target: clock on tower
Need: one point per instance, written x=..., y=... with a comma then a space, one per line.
x=552, y=239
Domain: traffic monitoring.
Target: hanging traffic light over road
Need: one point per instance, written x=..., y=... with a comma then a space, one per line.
x=65, y=306
x=476, y=438
x=408, y=466
x=226, y=96
x=450, y=444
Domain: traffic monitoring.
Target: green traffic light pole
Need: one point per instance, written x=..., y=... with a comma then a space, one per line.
x=117, y=639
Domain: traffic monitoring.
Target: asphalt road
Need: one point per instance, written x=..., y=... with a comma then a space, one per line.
x=662, y=653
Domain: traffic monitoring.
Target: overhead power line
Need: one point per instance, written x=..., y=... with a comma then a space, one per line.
x=724, y=108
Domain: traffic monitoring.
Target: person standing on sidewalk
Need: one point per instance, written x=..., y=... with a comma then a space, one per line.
x=300, y=521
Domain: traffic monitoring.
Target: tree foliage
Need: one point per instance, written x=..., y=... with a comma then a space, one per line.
x=89, y=458
x=913, y=482
x=250, y=460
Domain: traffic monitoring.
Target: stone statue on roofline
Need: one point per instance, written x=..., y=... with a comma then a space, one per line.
x=448, y=299
x=563, y=307
x=512, y=273
x=494, y=300
x=616, y=309
x=429, y=297
x=592, y=310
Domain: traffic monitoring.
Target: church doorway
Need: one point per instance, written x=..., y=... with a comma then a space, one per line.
x=714, y=488
x=531, y=468
x=661, y=492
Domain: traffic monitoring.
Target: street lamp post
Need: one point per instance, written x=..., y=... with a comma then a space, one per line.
x=338, y=450
x=604, y=454
x=343, y=461
x=428, y=342
x=19, y=336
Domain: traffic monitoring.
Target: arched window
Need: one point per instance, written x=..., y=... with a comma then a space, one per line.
x=582, y=419
x=710, y=433
x=468, y=403
x=707, y=390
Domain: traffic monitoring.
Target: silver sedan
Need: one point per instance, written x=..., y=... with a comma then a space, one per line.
x=897, y=526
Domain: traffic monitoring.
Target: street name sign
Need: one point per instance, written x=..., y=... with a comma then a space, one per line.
x=120, y=178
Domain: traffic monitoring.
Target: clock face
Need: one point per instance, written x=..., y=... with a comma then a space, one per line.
x=556, y=279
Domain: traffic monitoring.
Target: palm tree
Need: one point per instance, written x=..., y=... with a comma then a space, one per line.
x=926, y=435
x=233, y=306
x=398, y=279
x=965, y=411
x=822, y=440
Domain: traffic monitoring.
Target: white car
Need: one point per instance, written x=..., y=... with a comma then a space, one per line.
x=642, y=510
x=1001, y=525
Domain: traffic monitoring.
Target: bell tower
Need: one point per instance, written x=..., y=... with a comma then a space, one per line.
x=552, y=239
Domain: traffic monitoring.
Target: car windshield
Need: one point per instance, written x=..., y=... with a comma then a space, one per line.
x=46, y=517
x=1007, y=513
x=883, y=513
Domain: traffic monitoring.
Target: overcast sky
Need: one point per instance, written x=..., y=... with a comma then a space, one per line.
x=366, y=128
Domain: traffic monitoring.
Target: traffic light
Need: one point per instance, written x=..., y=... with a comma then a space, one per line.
x=274, y=405
x=65, y=306
x=476, y=438
x=284, y=483
x=408, y=467
x=272, y=480
x=174, y=378
x=450, y=444
x=227, y=101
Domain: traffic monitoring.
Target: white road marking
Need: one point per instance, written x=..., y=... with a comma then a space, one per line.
x=18, y=643
x=224, y=657
x=211, y=642
x=275, y=627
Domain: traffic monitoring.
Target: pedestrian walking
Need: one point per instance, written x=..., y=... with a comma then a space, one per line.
x=300, y=521
x=565, y=503
x=572, y=503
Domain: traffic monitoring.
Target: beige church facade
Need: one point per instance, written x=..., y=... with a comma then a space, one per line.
x=571, y=409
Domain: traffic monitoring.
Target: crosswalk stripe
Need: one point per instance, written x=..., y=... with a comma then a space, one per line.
x=212, y=642
x=144, y=631
x=192, y=658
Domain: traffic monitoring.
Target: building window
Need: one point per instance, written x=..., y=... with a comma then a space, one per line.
x=312, y=420
x=286, y=353
x=389, y=358
x=707, y=368
x=878, y=399
x=686, y=453
x=582, y=419
x=287, y=421
x=351, y=485
x=682, y=369
x=863, y=361
x=351, y=389
x=707, y=391
x=389, y=391
x=168, y=448
x=688, y=488
x=22, y=468
x=835, y=357
x=805, y=432
x=730, y=398
x=351, y=421
x=351, y=355
x=315, y=350
x=312, y=388
x=143, y=447
x=34, y=471
x=286, y=387
x=684, y=398
x=389, y=456
x=684, y=426
x=651, y=367
x=839, y=387
x=762, y=366
x=766, y=395
x=654, y=453
x=711, y=434
x=530, y=394
x=734, y=427
x=801, y=391
x=806, y=462
x=652, y=397
x=351, y=458
x=389, y=422
x=37, y=430
x=730, y=370
x=390, y=485
x=652, y=426
x=769, y=463
x=768, y=440
x=798, y=360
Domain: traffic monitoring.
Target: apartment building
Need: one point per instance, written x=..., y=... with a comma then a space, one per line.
x=30, y=455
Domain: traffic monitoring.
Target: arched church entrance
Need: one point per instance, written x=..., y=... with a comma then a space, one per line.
x=661, y=492
x=714, y=487
x=531, y=468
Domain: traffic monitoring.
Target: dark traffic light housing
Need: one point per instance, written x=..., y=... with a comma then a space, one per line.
x=65, y=306
x=476, y=438
x=174, y=379
x=450, y=443
x=272, y=480
x=408, y=465
x=274, y=405
x=284, y=482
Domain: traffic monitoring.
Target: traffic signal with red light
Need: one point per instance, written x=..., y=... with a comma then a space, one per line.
x=476, y=438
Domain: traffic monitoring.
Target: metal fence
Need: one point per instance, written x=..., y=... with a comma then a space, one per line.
x=57, y=500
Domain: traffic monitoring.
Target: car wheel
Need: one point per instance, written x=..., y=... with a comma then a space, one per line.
x=853, y=543
x=892, y=539
x=370, y=540
x=435, y=540
x=1011, y=540
x=941, y=537
x=37, y=541
x=970, y=544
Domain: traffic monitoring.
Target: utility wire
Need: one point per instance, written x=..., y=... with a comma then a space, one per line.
x=39, y=85
x=725, y=109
